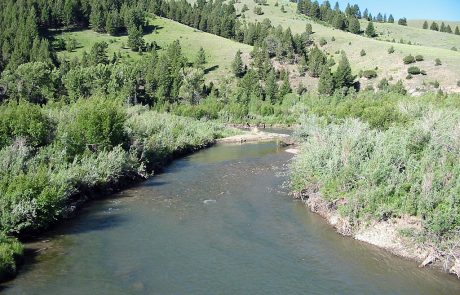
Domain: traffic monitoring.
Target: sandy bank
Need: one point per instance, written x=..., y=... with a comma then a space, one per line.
x=256, y=136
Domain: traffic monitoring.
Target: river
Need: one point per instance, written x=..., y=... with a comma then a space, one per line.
x=217, y=222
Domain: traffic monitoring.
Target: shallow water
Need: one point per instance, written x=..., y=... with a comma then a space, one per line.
x=217, y=222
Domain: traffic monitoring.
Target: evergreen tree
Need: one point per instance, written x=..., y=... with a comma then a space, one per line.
x=309, y=29
x=391, y=19
x=434, y=26
x=448, y=29
x=98, y=54
x=457, y=31
x=316, y=62
x=402, y=21
x=237, y=65
x=112, y=23
x=343, y=78
x=339, y=21
x=379, y=18
x=285, y=87
x=443, y=27
x=370, y=31
x=326, y=82
x=200, y=60
x=354, y=25
x=425, y=25
x=366, y=14
x=271, y=88
x=135, y=39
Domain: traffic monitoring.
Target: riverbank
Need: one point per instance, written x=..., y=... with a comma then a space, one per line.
x=395, y=188
x=386, y=234
x=151, y=159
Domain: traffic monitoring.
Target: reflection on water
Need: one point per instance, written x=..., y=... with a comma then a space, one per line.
x=217, y=222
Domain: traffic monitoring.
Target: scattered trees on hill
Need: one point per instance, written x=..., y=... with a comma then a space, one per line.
x=347, y=20
x=443, y=28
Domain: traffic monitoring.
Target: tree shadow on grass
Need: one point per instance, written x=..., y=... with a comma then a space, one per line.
x=211, y=69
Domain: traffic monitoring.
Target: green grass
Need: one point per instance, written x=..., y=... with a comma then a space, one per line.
x=219, y=51
x=377, y=56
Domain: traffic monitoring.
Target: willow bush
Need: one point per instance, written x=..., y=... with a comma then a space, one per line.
x=411, y=169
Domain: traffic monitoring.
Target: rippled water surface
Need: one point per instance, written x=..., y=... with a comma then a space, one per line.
x=217, y=222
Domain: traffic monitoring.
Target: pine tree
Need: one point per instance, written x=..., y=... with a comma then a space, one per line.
x=354, y=26
x=391, y=19
x=443, y=27
x=326, y=82
x=285, y=87
x=370, y=31
x=112, y=23
x=200, y=60
x=339, y=21
x=237, y=65
x=309, y=29
x=434, y=26
x=135, y=40
x=448, y=29
x=316, y=61
x=366, y=14
x=271, y=88
x=98, y=54
x=343, y=76
x=457, y=31
x=425, y=25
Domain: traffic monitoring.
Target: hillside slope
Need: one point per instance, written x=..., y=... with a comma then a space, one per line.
x=219, y=51
x=389, y=66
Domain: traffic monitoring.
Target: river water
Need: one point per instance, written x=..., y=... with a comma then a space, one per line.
x=216, y=222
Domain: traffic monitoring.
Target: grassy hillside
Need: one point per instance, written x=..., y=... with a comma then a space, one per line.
x=415, y=34
x=388, y=65
x=219, y=51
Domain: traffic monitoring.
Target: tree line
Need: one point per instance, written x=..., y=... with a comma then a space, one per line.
x=441, y=28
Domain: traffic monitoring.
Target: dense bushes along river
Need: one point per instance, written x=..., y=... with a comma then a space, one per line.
x=51, y=157
x=409, y=168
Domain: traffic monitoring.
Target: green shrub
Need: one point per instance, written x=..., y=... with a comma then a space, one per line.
x=95, y=123
x=409, y=59
x=322, y=42
x=10, y=251
x=387, y=173
x=370, y=74
x=362, y=53
x=391, y=50
x=24, y=120
x=419, y=58
x=258, y=10
x=409, y=77
x=437, y=62
x=413, y=70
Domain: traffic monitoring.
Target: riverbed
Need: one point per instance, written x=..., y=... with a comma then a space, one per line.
x=220, y=221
